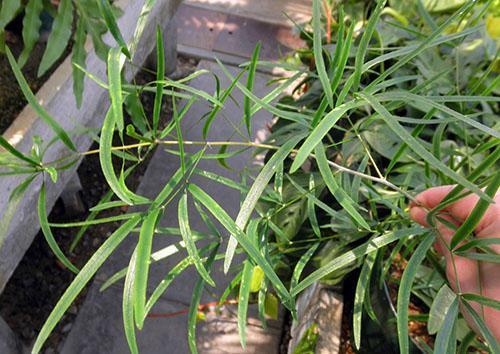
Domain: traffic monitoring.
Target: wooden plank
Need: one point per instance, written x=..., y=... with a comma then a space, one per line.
x=261, y=10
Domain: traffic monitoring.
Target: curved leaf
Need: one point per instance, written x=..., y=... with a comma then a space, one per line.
x=31, y=28
x=59, y=36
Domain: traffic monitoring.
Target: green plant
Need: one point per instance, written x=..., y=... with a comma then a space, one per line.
x=389, y=104
x=93, y=18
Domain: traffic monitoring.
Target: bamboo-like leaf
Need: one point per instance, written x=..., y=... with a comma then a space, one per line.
x=110, y=19
x=49, y=237
x=429, y=40
x=483, y=328
x=352, y=255
x=11, y=208
x=446, y=337
x=243, y=298
x=81, y=280
x=226, y=221
x=142, y=265
x=227, y=92
x=8, y=12
x=484, y=257
x=105, y=153
x=494, y=304
x=477, y=243
x=160, y=75
x=78, y=57
x=301, y=264
x=31, y=28
x=115, y=64
x=405, y=290
x=469, y=225
x=165, y=283
x=311, y=212
x=425, y=101
x=442, y=302
x=413, y=144
x=141, y=23
x=362, y=287
x=195, y=302
x=318, y=52
x=189, y=241
x=59, y=36
x=180, y=140
x=128, y=305
x=94, y=221
x=315, y=137
x=365, y=40
x=30, y=97
x=337, y=191
x=250, y=81
x=254, y=194
x=7, y=146
x=344, y=56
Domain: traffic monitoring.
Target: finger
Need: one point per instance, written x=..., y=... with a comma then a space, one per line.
x=461, y=209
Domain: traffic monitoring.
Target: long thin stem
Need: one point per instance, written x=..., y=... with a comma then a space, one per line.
x=380, y=180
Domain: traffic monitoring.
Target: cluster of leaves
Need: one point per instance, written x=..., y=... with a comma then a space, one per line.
x=388, y=105
x=72, y=22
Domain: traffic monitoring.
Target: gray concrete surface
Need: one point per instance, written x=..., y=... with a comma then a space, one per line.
x=9, y=343
x=99, y=319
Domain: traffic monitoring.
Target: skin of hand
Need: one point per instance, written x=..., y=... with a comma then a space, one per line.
x=470, y=276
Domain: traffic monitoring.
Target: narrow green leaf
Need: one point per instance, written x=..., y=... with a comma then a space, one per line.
x=243, y=297
x=429, y=41
x=49, y=237
x=484, y=257
x=109, y=18
x=160, y=75
x=142, y=267
x=440, y=306
x=301, y=264
x=470, y=224
x=365, y=40
x=344, y=56
x=105, y=153
x=14, y=199
x=405, y=290
x=318, y=53
x=195, y=302
x=115, y=64
x=483, y=328
x=180, y=140
x=446, y=339
x=226, y=221
x=477, y=243
x=59, y=36
x=78, y=57
x=32, y=100
x=227, y=92
x=311, y=212
x=7, y=146
x=165, y=283
x=362, y=287
x=413, y=143
x=8, y=11
x=128, y=305
x=188, y=239
x=81, y=280
x=315, y=137
x=31, y=28
x=350, y=256
x=254, y=194
x=250, y=81
x=494, y=304
x=337, y=191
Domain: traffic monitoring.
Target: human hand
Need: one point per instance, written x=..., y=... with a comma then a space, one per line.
x=467, y=275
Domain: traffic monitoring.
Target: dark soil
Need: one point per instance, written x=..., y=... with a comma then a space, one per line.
x=12, y=100
x=40, y=279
